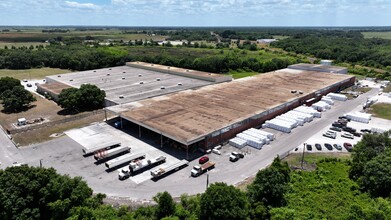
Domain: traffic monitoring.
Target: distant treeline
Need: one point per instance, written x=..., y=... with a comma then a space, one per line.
x=340, y=46
x=79, y=57
x=57, y=30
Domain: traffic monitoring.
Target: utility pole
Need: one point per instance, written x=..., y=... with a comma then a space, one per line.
x=302, y=158
x=207, y=180
x=40, y=163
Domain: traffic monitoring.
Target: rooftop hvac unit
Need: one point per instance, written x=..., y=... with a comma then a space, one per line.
x=59, y=76
x=94, y=71
x=141, y=82
x=157, y=79
x=124, y=72
x=293, y=91
x=121, y=96
x=179, y=84
x=162, y=87
x=108, y=74
x=109, y=69
x=123, y=77
x=139, y=75
x=71, y=80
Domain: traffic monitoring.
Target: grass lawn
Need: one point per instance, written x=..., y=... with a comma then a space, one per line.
x=44, y=134
x=387, y=89
x=381, y=110
x=241, y=74
x=32, y=73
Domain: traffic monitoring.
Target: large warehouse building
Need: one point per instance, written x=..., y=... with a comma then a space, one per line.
x=213, y=114
x=133, y=82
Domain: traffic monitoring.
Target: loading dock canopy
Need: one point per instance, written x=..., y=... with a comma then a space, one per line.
x=189, y=116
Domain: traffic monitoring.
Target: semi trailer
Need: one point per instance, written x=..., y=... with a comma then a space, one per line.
x=161, y=172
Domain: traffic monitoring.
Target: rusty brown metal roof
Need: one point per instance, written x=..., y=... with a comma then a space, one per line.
x=54, y=87
x=190, y=115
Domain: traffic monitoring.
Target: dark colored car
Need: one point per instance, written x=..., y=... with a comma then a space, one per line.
x=309, y=147
x=29, y=85
x=338, y=125
x=348, y=129
x=366, y=130
x=348, y=146
x=337, y=146
x=318, y=146
x=356, y=134
x=203, y=159
x=328, y=146
x=342, y=122
x=344, y=118
x=335, y=129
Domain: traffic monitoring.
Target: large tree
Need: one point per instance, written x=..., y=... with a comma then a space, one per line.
x=270, y=185
x=376, y=178
x=88, y=97
x=368, y=148
x=8, y=83
x=16, y=99
x=39, y=193
x=221, y=201
x=166, y=205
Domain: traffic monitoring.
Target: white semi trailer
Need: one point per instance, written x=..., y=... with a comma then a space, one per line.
x=105, y=145
x=104, y=154
x=136, y=167
x=161, y=172
x=123, y=159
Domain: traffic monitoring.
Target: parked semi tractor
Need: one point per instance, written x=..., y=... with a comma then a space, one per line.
x=161, y=172
x=198, y=170
x=106, y=145
x=139, y=166
x=104, y=154
x=123, y=159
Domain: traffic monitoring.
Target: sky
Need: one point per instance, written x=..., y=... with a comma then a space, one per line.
x=196, y=12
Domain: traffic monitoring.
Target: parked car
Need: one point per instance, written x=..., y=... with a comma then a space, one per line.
x=348, y=146
x=341, y=121
x=347, y=135
x=344, y=118
x=309, y=147
x=366, y=130
x=335, y=129
x=318, y=146
x=330, y=135
x=29, y=85
x=348, y=129
x=356, y=134
x=338, y=125
x=337, y=146
x=328, y=146
x=203, y=160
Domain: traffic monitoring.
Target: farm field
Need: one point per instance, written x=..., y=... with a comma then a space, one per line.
x=32, y=73
x=384, y=35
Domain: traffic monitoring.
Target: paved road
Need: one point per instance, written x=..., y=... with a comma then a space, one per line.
x=60, y=154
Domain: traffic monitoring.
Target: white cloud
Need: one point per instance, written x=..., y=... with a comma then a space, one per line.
x=78, y=5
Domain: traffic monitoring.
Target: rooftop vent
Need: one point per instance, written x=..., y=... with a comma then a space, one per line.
x=123, y=77
x=121, y=96
x=124, y=72
x=94, y=71
x=137, y=62
x=187, y=70
x=151, y=64
x=157, y=79
x=108, y=74
x=293, y=91
x=168, y=67
x=139, y=75
x=141, y=82
x=162, y=87
x=59, y=76
x=210, y=74
x=109, y=69
x=179, y=84
x=300, y=92
x=71, y=80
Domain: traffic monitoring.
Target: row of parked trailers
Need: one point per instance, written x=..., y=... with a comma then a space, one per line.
x=114, y=155
x=253, y=137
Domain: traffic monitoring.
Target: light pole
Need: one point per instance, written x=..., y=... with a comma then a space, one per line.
x=207, y=180
x=40, y=163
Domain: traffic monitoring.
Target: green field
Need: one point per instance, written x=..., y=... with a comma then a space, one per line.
x=384, y=35
x=381, y=110
x=32, y=73
x=387, y=89
x=241, y=74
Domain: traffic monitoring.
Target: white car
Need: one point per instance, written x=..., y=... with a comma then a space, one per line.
x=347, y=135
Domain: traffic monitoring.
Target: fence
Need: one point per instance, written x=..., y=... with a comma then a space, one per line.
x=52, y=123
